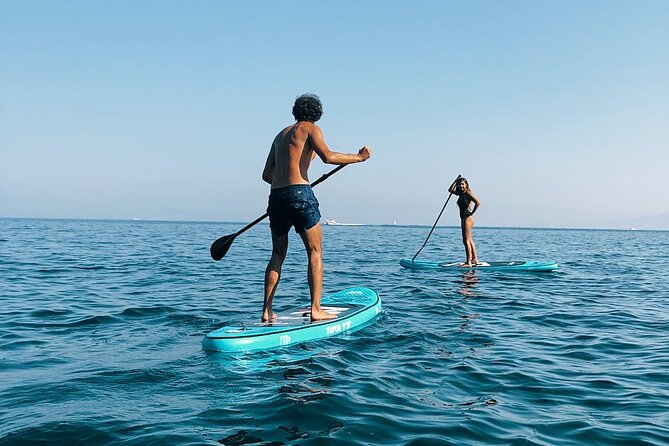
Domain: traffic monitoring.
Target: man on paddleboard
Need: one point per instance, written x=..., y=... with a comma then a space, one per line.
x=292, y=202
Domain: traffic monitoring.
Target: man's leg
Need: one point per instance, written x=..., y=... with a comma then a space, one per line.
x=312, y=239
x=273, y=274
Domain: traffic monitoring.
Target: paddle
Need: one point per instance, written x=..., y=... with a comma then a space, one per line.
x=435, y=223
x=220, y=247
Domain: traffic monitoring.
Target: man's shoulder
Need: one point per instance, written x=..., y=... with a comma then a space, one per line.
x=308, y=126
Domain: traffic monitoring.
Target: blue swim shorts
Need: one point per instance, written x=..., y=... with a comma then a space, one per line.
x=293, y=205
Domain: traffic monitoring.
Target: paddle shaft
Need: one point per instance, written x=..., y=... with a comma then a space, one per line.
x=435, y=223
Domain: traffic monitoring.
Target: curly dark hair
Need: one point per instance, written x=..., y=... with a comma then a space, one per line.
x=308, y=107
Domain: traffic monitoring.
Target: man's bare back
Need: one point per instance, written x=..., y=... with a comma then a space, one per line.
x=293, y=149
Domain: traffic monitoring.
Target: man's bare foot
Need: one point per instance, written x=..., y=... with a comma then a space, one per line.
x=465, y=265
x=320, y=315
x=266, y=317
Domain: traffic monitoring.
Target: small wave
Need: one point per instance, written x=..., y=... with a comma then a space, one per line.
x=50, y=313
x=83, y=321
x=138, y=312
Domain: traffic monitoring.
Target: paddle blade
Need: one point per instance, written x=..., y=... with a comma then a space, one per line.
x=220, y=247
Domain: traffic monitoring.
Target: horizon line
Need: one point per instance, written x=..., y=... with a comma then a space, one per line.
x=417, y=225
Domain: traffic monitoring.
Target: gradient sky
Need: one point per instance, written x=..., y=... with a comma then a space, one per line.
x=556, y=111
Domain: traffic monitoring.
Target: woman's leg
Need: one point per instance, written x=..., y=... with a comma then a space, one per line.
x=465, y=241
x=472, y=246
x=467, y=225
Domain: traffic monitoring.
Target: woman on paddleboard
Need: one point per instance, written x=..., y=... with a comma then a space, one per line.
x=461, y=188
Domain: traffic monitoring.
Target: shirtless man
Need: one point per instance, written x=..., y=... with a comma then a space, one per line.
x=292, y=202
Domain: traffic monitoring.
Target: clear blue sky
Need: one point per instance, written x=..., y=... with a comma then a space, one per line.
x=556, y=111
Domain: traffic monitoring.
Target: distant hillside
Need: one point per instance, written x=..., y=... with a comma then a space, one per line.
x=657, y=222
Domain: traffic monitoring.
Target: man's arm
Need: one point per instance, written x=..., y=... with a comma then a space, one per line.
x=270, y=165
x=328, y=156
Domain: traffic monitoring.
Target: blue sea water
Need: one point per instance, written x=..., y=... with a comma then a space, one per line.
x=101, y=325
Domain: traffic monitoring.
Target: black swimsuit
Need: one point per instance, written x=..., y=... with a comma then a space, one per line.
x=463, y=203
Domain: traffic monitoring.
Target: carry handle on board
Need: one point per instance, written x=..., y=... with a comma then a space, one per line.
x=220, y=247
x=435, y=223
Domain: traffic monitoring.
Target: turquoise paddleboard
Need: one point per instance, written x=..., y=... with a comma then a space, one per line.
x=355, y=308
x=497, y=266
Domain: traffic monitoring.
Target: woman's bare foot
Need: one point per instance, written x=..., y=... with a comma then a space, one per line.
x=266, y=317
x=320, y=315
x=465, y=265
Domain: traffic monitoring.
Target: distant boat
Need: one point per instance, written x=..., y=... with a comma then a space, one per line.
x=334, y=223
